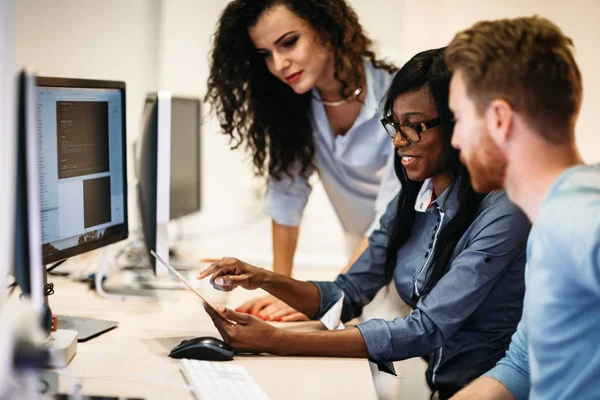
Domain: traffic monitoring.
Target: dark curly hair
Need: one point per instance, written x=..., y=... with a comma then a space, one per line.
x=255, y=107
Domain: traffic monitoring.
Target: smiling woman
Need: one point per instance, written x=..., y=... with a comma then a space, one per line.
x=455, y=256
x=296, y=83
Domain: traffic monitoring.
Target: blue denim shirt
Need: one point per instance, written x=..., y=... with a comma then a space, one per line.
x=465, y=323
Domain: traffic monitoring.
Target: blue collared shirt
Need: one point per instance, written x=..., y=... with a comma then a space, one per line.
x=555, y=353
x=465, y=322
x=356, y=169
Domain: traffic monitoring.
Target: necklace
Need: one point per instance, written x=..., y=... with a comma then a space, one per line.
x=347, y=100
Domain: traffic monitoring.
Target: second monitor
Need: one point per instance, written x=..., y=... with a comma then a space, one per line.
x=168, y=168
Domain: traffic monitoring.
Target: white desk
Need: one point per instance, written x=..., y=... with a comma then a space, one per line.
x=148, y=331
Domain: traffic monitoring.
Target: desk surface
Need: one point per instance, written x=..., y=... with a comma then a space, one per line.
x=148, y=330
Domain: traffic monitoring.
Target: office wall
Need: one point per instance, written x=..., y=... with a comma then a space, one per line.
x=231, y=195
x=160, y=44
x=94, y=39
x=227, y=183
x=7, y=132
x=433, y=23
x=231, y=221
x=400, y=29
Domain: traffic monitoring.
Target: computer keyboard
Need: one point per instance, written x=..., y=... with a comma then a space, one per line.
x=219, y=380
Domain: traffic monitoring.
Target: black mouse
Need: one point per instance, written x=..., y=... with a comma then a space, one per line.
x=203, y=348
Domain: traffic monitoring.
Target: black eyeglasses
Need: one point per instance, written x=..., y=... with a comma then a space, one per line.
x=410, y=132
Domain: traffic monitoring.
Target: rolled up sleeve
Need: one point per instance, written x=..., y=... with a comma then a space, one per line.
x=330, y=294
x=438, y=315
x=286, y=198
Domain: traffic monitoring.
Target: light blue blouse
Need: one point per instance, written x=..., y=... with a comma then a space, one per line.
x=357, y=169
x=555, y=353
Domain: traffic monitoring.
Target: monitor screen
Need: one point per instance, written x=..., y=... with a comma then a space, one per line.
x=82, y=165
x=185, y=156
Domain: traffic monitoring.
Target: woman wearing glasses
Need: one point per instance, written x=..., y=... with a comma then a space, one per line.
x=296, y=83
x=455, y=256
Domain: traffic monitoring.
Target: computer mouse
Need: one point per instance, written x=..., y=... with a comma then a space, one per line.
x=203, y=348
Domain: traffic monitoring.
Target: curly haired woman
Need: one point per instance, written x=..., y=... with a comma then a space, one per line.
x=296, y=83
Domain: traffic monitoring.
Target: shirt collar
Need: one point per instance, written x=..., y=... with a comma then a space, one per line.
x=447, y=202
x=424, y=196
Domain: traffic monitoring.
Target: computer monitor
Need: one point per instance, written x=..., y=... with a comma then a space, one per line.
x=185, y=157
x=28, y=268
x=168, y=169
x=81, y=160
x=154, y=177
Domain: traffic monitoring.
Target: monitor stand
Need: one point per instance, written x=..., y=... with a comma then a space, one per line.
x=86, y=328
x=83, y=328
x=122, y=293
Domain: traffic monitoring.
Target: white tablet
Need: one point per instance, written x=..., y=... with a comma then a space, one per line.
x=181, y=278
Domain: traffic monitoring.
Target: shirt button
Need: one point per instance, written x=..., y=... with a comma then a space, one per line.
x=435, y=229
x=426, y=255
x=431, y=244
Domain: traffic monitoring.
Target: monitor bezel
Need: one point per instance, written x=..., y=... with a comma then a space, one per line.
x=120, y=231
x=155, y=225
x=28, y=269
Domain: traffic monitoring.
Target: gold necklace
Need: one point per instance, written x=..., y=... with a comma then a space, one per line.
x=347, y=100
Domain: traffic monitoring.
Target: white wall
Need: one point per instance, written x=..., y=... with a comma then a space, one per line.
x=381, y=20
x=154, y=45
x=400, y=29
x=7, y=133
x=94, y=39
x=226, y=178
x=164, y=44
x=230, y=194
x=408, y=27
x=433, y=23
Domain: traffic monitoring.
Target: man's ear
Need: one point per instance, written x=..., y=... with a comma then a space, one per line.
x=499, y=120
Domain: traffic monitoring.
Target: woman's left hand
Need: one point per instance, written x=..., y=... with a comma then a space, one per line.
x=243, y=332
